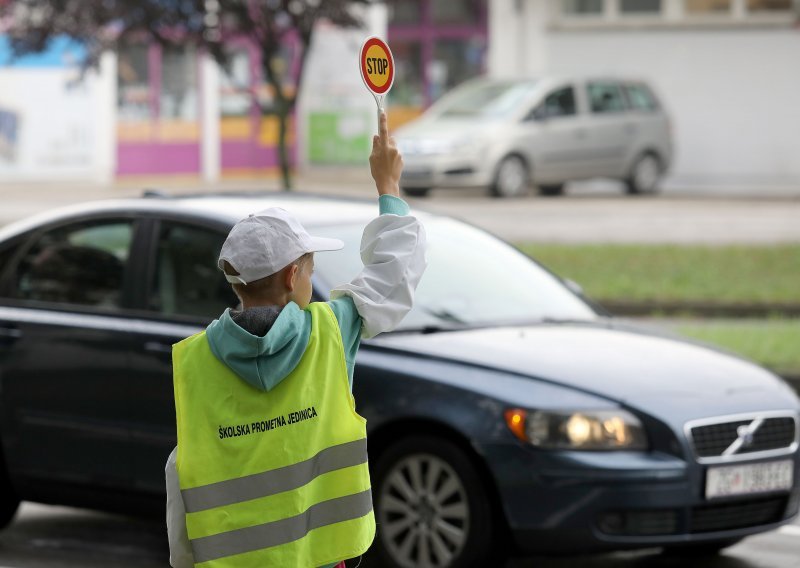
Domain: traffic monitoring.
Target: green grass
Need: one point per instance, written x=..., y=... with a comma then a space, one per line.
x=774, y=343
x=668, y=273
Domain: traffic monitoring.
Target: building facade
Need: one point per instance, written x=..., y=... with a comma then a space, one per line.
x=726, y=70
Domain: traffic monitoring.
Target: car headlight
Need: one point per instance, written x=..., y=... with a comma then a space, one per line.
x=578, y=430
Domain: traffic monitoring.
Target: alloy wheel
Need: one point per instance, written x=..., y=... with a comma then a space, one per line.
x=424, y=515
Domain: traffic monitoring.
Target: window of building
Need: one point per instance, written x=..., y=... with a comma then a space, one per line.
x=187, y=281
x=80, y=265
x=408, y=89
x=454, y=61
x=708, y=6
x=455, y=11
x=133, y=83
x=178, y=83
x=769, y=5
x=404, y=12
x=445, y=42
x=583, y=7
x=234, y=80
x=605, y=97
x=640, y=6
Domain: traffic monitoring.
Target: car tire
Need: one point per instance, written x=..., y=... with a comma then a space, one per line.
x=512, y=178
x=551, y=190
x=430, y=504
x=645, y=175
x=416, y=191
x=711, y=548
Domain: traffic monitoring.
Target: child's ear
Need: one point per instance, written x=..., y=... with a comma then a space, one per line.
x=291, y=277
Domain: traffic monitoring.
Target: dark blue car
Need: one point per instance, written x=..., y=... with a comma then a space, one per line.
x=507, y=414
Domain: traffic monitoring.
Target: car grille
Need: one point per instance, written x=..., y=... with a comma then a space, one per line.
x=774, y=433
x=700, y=519
x=727, y=516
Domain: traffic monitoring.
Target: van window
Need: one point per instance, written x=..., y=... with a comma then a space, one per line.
x=605, y=97
x=558, y=103
x=640, y=97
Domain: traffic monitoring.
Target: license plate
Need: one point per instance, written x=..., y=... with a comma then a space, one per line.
x=748, y=479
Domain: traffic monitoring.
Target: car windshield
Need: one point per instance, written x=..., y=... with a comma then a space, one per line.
x=485, y=99
x=472, y=279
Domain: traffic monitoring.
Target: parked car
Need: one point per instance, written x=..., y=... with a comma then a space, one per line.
x=507, y=413
x=506, y=134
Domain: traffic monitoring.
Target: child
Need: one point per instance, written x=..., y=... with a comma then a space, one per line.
x=271, y=465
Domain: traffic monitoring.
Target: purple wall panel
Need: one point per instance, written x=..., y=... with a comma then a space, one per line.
x=143, y=158
x=245, y=155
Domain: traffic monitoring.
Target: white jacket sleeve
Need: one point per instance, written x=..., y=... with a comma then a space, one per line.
x=180, y=551
x=393, y=252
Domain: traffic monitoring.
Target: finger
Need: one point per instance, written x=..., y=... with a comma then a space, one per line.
x=383, y=128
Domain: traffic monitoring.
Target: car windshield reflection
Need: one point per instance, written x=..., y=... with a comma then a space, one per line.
x=472, y=280
x=486, y=99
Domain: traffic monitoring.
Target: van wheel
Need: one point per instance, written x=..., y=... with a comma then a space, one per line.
x=416, y=191
x=644, y=175
x=430, y=506
x=551, y=190
x=512, y=178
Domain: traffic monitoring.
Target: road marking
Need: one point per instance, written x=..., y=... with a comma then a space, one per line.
x=790, y=529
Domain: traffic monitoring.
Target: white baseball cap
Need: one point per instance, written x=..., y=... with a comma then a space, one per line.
x=267, y=241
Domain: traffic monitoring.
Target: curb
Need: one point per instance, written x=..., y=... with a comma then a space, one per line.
x=700, y=309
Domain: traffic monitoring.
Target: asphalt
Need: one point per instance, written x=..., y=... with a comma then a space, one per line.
x=590, y=212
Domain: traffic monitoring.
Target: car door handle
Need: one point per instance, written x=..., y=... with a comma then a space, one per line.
x=157, y=347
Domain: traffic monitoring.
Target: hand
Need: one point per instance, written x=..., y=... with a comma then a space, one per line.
x=385, y=162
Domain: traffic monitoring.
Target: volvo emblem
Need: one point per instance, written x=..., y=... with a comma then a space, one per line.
x=745, y=435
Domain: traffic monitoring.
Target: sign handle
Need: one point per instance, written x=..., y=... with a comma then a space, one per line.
x=379, y=102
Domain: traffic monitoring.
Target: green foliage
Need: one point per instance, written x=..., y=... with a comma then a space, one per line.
x=674, y=273
x=772, y=343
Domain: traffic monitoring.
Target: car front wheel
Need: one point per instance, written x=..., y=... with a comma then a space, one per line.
x=512, y=178
x=430, y=506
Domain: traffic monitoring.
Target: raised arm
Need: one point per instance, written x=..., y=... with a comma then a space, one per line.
x=392, y=247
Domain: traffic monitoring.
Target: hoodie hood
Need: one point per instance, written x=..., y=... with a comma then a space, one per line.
x=262, y=345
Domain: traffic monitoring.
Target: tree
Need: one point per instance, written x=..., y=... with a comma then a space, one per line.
x=103, y=25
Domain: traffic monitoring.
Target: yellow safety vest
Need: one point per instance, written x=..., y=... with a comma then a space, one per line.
x=276, y=478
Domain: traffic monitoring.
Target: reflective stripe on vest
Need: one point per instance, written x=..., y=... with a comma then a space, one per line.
x=276, y=478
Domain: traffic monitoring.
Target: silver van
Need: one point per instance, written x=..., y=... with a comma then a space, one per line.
x=508, y=134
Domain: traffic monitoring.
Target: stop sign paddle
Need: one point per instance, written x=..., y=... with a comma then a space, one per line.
x=377, y=68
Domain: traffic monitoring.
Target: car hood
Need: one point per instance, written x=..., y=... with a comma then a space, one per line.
x=643, y=369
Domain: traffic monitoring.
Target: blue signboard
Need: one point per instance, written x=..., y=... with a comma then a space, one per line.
x=62, y=52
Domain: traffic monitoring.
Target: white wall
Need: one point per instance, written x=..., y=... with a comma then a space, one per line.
x=733, y=94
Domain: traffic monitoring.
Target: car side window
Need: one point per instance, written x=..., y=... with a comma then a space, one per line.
x=605, y=97
x=82, y=264
x=186, y=280
x=558, y=103
x=640, y=97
